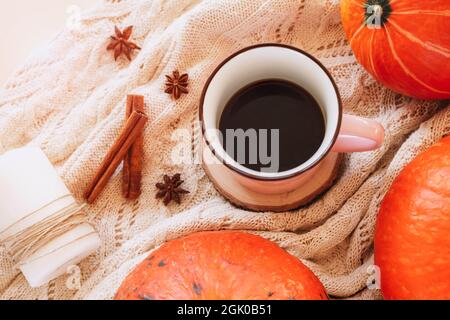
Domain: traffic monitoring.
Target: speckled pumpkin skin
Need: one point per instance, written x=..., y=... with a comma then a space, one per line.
x=412, y=241
x=224, y=265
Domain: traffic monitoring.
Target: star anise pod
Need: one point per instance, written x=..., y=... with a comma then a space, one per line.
x=121, y=43
x=177, y=85
x=170, y=189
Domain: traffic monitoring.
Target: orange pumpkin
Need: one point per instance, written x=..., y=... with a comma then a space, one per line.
x=223, y=265
x=412, y=240
x=404, y=44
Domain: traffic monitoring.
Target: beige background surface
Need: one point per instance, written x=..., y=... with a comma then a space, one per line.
x=26, y=25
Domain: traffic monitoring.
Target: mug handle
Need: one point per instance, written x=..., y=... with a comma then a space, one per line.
x=358, y=135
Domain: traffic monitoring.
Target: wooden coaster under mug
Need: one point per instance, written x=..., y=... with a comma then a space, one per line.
x=245, y=197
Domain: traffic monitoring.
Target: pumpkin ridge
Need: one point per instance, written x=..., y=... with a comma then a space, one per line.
x=357, y=4
x=372, y=64
x=421, y=12
x=361, y=28
x=427, y=45
x=406, y=69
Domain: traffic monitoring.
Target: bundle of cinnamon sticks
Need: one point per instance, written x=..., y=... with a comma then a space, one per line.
x=128, y=148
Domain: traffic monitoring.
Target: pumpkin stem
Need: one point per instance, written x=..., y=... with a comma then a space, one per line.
x=377, y=13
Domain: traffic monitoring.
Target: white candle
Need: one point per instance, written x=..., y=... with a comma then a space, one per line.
x=31, y=191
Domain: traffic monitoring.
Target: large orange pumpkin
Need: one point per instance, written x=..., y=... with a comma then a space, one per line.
x=405, y=44
x=223, y=265
x=412, y=240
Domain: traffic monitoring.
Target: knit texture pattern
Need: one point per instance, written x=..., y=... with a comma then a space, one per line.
x=69, y=99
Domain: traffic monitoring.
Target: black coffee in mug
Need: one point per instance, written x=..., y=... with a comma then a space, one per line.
x=268, y=112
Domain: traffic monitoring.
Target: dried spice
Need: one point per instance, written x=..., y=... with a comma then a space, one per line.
x=132, y=164
x=170, y=189
x=177, y=84
x=131, y=131
x=120, y=43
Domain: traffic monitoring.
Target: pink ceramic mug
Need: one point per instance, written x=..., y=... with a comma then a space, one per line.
x=344, y=133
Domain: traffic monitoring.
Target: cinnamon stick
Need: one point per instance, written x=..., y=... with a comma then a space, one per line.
x=132, y=164
x=133, y=128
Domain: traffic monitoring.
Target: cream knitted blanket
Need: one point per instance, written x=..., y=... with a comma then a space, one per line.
x=69, y=99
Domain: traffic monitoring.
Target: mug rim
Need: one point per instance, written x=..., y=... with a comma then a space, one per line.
x=255, y=176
